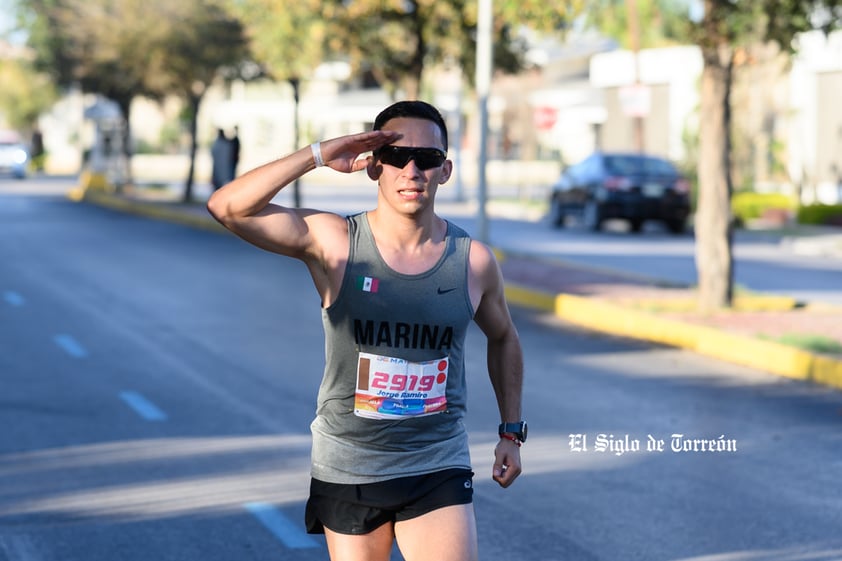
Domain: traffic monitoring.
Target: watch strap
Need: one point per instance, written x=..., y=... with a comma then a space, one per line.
x=514, y=439
x=517, y=429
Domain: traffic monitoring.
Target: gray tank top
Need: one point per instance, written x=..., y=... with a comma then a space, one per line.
x=392, y=400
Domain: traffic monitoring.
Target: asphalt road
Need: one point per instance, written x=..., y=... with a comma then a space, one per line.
x=157, y=384
x=762, y=261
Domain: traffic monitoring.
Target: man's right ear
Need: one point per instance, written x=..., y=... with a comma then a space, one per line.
x=374, y=168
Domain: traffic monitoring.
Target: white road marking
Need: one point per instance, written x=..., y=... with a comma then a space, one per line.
x=143, y=406
x=290, y=534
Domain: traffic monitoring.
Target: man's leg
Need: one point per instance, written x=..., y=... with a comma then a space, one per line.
x=445, y=534
x=374, y=546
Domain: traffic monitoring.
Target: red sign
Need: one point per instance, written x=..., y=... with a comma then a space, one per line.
x=545, y=117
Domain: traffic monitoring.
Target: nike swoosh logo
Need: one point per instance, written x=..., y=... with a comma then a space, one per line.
x=445, y=291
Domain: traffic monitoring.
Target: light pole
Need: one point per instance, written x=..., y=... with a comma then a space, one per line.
x=483, y=82
x=295, y=82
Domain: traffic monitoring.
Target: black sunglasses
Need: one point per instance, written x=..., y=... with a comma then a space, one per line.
x=399, y=156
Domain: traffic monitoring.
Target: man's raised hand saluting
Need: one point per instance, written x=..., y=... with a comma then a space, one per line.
x=343, y=154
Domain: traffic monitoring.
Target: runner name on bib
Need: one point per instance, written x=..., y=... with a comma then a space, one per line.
x=394, y=388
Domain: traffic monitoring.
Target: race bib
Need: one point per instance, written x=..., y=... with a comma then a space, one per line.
x=394, y=388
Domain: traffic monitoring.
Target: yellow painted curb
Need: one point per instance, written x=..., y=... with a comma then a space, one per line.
x=769, y=356
x=605, y=317
x=529, y=298
x=153, y=211
x=742, y=303
x=76, y=194
x=94, y=181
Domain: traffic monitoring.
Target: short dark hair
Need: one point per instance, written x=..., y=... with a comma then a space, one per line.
x=412, y=110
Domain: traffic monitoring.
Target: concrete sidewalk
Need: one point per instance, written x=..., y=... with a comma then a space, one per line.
x=597, y=299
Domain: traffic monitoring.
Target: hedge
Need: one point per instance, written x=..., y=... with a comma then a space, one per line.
x=820, y=214
x=748, y=205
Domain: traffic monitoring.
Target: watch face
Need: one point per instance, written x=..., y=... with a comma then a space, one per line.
x=518, y=429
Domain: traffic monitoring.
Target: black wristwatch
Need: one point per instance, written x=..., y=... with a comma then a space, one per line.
x=517, y=429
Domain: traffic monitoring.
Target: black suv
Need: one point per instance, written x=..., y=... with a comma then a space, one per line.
x=634, y=187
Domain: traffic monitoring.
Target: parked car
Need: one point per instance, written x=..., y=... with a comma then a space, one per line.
x=14, y=156
x=634, y=187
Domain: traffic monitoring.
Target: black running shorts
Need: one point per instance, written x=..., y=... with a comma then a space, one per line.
x=360, y=509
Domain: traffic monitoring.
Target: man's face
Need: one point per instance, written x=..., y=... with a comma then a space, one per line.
x=411, y=188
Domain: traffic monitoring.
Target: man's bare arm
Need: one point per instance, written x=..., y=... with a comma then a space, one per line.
x=504, y=356
x=244, y=205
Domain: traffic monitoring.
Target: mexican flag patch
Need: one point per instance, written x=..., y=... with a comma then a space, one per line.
x=367, y=284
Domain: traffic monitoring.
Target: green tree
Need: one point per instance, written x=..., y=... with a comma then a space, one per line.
x=109, y=47
x=724, y=34
x=658, y=22
x=203, y=41
x=725, y=30
x=25, y=94
x=122, y=49
x=287, y=38
x=396, y=40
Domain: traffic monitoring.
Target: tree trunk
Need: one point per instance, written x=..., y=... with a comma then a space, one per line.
x=194, y=101
x=713, y=224
x=125, y=104
x=411, y=87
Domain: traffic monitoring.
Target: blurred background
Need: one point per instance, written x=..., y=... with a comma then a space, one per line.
x=157, y=382
x=148, y=83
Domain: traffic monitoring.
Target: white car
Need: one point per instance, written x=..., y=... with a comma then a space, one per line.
x=14, y=155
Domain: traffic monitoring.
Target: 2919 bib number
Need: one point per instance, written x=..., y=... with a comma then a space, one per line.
x=389, y=388
x=403, y=382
